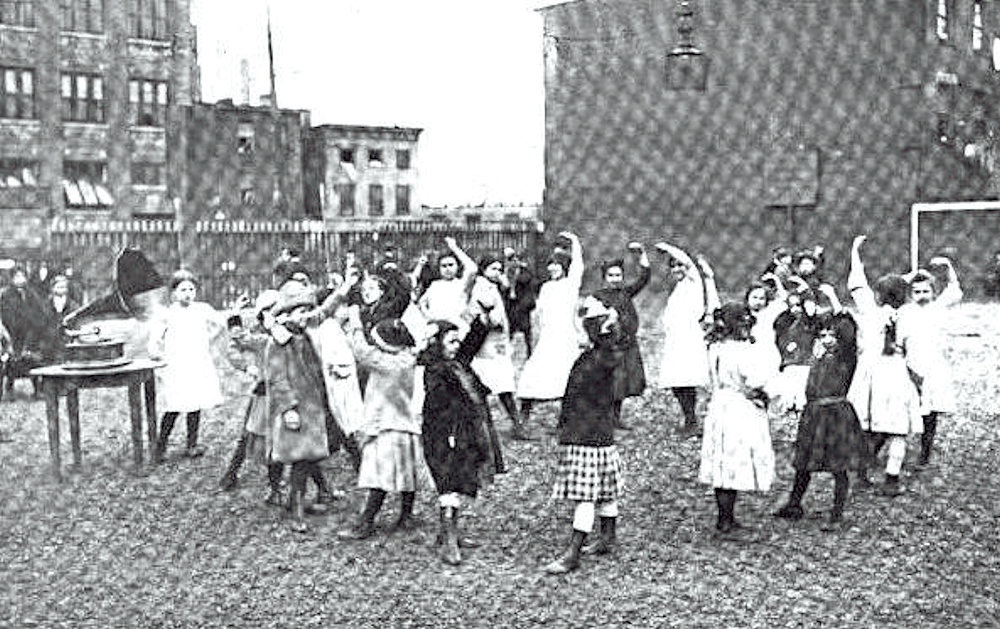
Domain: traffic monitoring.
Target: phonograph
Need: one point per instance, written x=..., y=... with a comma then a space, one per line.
x=88, y=347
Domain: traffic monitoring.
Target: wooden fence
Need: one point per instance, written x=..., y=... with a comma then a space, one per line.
x=231, y=257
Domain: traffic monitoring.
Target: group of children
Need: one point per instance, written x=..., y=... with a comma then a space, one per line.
x=399, y=379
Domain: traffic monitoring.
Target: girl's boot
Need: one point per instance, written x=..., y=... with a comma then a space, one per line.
x=605, y=542
x=228, y=480
x=193, y=449
x=406, y=521
x=366, y=523
x=570, y=559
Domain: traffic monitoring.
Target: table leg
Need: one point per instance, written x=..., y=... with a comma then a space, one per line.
x=73, y=411
x=52, y=416
x=135, y=414
x=149, y=387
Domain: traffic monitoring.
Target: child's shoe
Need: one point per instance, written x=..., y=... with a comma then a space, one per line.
x=790, y=512
x=193, y=452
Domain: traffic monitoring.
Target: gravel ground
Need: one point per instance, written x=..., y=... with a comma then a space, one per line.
x=161, y=547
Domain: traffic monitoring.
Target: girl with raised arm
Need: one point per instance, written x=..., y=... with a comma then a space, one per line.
x=545, y=373
x=883, y=392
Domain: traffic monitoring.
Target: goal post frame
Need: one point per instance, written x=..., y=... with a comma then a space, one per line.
x=919, y=208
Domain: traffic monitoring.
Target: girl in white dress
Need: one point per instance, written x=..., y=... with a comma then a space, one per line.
x=684, y=358
x=883, y=392
x=188, y=382
x=492, y=363
x=545, y=373
x=736, y=453
x=921, y=329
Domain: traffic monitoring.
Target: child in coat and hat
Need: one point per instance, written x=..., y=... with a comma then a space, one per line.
x=296, y=398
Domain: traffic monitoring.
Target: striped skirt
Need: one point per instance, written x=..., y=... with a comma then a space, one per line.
x=391, y=462
x=588, y=474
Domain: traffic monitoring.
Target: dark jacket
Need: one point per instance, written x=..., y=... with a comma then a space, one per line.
x=456, y=436
x=585, y=418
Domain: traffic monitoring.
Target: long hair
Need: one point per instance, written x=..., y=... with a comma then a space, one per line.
x=731, y=322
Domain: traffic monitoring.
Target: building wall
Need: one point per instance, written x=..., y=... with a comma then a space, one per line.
x=326, y=158
x=818, y=121
x=260, y=177
x=111, y=50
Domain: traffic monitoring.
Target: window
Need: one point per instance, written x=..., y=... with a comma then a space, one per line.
x=85, y=16
x=403, y=159
x=147, y=102
x=345, y=192
x=85, y=185
x=346, y=156
x=148, y=174
x=18, y=173
x=374, y=157
x=376, y=204
x=943, y=23
x=17, y=12
x=17, y=93
x=245, y=138
x=977, y=25
x=248, y=193
x=82, y=98
x=402, y=199
x=147, y=19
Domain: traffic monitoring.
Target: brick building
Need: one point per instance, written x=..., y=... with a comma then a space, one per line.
x=241, y=161
x=361, y=174
x=732, y=126
x=89, y=89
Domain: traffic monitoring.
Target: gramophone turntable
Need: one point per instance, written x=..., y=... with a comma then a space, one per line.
x=90, y=350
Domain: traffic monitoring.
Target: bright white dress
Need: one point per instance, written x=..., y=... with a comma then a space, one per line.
x=763, y=333
x=684, y=359
x=921, y=331
x=545, y=373
x=182, y=338
x=736, y=450
x=882, y=392
x=492, y=363
x=445, y=300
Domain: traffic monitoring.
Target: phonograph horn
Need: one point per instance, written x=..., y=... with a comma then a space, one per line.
x=134, y=274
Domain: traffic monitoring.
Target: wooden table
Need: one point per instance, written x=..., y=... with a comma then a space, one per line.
x=64, y=379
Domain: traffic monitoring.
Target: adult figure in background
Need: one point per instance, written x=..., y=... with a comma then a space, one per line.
x=684, y=359
x=545, y=373
x=629, y=378
x=20, y=311
x=519, y=296
x=57, y=305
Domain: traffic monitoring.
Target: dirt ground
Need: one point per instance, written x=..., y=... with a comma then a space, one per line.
x=162, y=547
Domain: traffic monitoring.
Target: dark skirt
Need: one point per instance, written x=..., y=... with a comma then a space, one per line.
x=830, y=438
x=629, y=377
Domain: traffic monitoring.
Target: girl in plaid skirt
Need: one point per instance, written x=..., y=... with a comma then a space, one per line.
x=589, y=471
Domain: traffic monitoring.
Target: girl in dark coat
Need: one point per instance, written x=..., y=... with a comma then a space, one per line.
x=830, y=437
x=589, y=472
x=630, y=375
x=460, y=444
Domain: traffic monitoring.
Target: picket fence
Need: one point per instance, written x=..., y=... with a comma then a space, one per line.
x=232, y=257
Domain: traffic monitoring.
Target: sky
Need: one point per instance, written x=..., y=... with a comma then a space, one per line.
x=469, y=72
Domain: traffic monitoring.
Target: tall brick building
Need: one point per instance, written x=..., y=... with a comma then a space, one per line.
x=89, y=89
x=732, y=126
